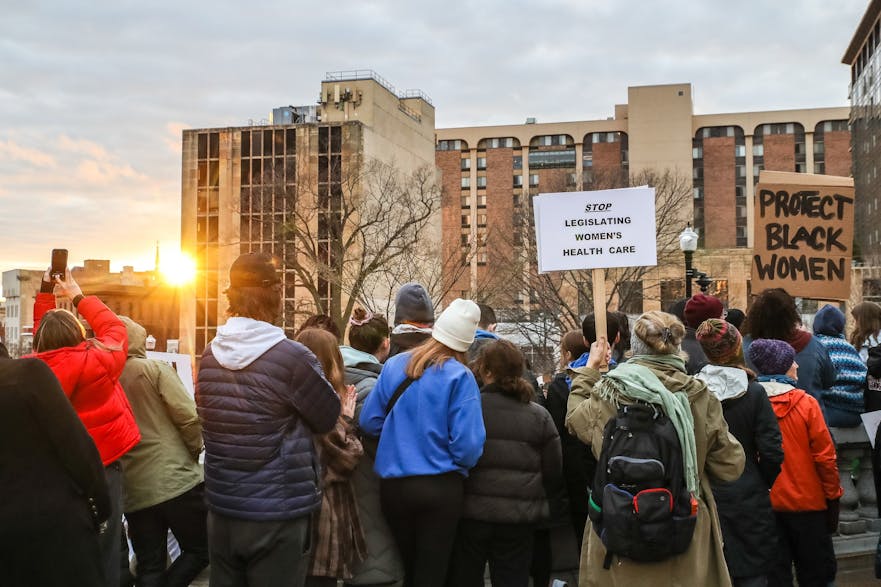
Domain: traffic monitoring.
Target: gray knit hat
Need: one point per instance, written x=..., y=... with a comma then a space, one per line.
x=413, y=305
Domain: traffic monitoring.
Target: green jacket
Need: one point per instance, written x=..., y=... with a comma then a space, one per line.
x=164, y=464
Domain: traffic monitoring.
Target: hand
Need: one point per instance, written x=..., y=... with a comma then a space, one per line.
x=347, y=401
x=833, y=508
x=600, y=353
x=68, y=287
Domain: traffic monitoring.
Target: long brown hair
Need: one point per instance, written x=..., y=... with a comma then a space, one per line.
x=502, y=361
x=867, y=316
x=60, y=328
x=324, y=345
x=430, y=352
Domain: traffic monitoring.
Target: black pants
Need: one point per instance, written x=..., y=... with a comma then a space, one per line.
x=246, y=553
x=422, y=513
x=108, y=541
x=802, y=539
x=186, y=517
x=507, y=547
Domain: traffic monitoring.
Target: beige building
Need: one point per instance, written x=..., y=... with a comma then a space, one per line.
x=489, y=174
x=241, y=186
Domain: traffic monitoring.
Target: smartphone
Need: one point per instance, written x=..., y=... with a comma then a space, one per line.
x=59, y=263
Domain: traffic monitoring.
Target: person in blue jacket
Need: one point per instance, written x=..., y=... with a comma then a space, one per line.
x=426, y=410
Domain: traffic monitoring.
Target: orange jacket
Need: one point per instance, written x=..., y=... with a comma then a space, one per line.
x=809, y=475
x=89, y=376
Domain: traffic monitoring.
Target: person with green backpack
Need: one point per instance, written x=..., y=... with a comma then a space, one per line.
x=666, y=489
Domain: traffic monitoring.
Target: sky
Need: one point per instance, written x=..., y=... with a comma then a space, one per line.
x=94, y=95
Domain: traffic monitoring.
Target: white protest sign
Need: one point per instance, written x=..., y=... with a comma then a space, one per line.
x=181, y=364
x=598, y=229
x=870, y=423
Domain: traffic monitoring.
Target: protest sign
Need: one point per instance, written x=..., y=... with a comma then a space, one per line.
x=600, y=229
x=596, y=230
x=803, y=234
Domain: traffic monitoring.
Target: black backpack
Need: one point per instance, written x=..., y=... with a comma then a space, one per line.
x=640, y=506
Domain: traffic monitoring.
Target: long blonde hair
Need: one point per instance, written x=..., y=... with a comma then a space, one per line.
x=430, y=352
x=324, y=345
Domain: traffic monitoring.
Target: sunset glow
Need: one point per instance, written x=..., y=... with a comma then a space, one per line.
x=177, y=268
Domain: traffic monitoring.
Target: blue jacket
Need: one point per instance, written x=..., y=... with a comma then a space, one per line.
x=261, y=397
x=436, y=426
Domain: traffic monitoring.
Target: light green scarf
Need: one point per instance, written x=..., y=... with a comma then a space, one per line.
x=633, y=382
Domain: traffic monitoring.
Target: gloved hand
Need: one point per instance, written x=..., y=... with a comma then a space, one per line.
x=833, y=508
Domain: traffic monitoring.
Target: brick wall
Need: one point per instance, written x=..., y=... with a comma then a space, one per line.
x=606, y=158
x=499, y=211
x=451, y=211
x=779, y=152
x=719, y=194
x=837, y=153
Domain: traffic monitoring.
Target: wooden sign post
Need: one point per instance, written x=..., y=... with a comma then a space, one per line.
x=596, y=230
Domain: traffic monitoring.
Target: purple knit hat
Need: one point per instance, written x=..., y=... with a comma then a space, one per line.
x=770, y=356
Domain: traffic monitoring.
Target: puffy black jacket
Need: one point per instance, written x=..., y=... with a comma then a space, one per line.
x=258, y=423
x=744, y=506
x=521, y=462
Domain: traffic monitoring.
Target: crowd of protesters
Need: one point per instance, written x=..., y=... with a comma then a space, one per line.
x=422, y=452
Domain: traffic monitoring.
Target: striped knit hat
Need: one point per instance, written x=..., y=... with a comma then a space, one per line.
x=721, y=342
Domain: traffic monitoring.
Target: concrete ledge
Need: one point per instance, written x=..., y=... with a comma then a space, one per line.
x=855, y=544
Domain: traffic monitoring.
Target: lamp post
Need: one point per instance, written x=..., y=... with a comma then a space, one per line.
x=688, y=245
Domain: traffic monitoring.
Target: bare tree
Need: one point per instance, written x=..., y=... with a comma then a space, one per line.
x=357, y=223
x=557, y=301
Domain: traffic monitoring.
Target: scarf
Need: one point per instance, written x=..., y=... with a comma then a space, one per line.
x=638, y=383
x=777, y=379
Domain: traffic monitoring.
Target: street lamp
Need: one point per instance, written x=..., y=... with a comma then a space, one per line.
x=688, y=245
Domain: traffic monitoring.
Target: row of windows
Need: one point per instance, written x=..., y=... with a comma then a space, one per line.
x=536, y=141
x=266, y=143
x=465, y=181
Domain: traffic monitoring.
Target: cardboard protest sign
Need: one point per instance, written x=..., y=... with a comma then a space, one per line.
x=803, y=234
x=599, y=229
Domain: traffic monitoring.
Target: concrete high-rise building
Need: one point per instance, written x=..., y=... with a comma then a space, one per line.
x=864, y=58
x=489, y=173
x=20, y=287
x=240, y=185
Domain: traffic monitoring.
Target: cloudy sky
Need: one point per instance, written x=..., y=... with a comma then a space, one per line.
x=94, y=95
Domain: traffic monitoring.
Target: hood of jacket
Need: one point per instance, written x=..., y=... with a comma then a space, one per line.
x=724, y=382
x=352, y=357
x=137, y=338
x=241, y=341
x=480, y=333
x=829, y=321
x=785, y=397
x=674, y=379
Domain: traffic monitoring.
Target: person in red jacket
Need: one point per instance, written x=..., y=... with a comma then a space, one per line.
x=89, y=370
x=806, y=493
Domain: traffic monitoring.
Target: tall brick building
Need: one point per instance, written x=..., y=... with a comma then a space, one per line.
x=490, y=173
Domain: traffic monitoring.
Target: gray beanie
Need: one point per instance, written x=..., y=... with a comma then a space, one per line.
x=412, y=304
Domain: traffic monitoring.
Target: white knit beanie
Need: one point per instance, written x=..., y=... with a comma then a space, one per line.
x=456, y=325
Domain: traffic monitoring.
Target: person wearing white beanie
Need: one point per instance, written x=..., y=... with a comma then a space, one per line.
x=426, y=410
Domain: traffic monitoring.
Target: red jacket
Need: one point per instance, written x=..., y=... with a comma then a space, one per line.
x=89, y=376
x=809, y=475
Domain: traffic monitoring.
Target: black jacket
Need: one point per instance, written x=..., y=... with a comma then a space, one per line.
x=49, y=469
x=579, y=463
x=696, y=356
x=520, y=465
x=747, y=521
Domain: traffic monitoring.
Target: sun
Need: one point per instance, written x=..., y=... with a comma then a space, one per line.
x=177, y=268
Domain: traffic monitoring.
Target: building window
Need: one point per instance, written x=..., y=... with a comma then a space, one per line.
x=533, y=179
x=551, y=159
x=450, y=145
x=466, y=201
x=518, y=162
x=518, y=181
x=466, y=220
x=481, y=163
x=466, y=163
x=466, y=182
x=481, y=220
x=481, y=181
x=481, y=200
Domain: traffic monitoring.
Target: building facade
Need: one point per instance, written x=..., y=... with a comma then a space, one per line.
x=489, y=174
x=243, y=187
x=137, y=294
x=864, y=58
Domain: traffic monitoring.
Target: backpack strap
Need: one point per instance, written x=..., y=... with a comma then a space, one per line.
x=398, y=393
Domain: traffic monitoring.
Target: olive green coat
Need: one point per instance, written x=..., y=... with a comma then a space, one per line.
x=164, y=464
x=719, y=456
